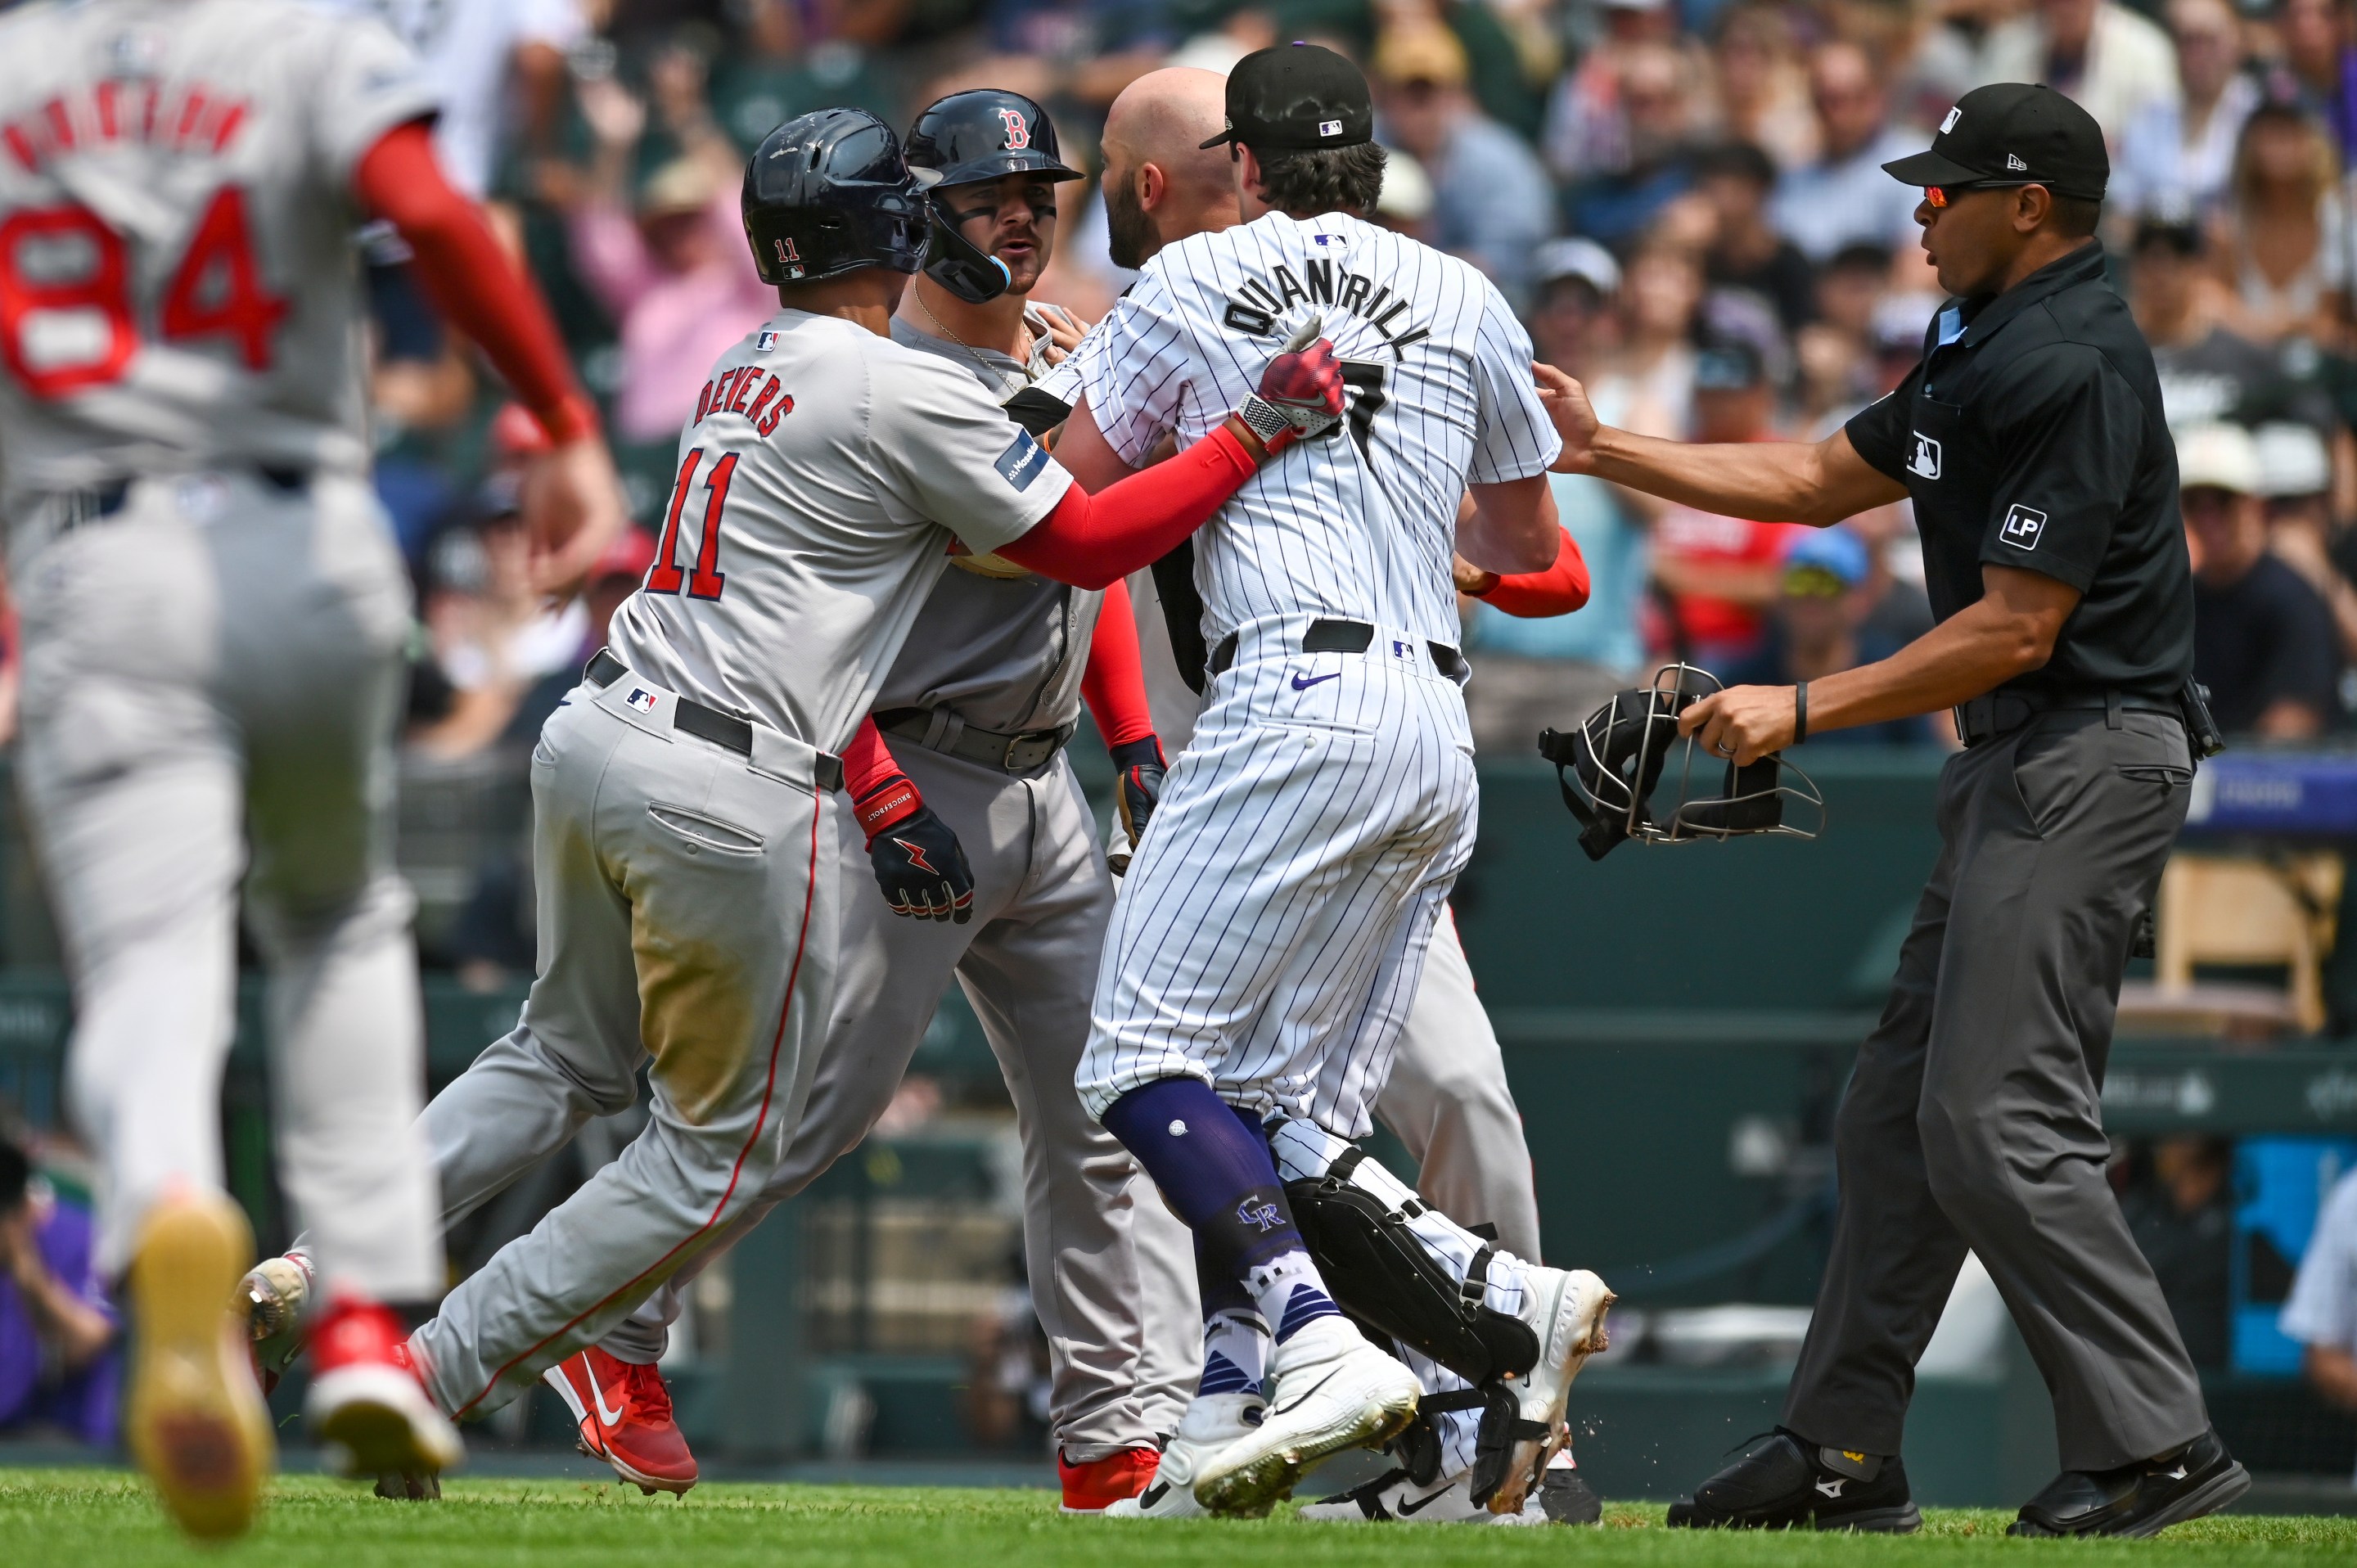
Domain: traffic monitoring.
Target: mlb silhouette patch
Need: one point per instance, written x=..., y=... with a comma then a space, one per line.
x=1924, y=461
x=2023, y=528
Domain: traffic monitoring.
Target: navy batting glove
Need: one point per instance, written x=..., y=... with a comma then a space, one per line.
x=1140, y=767
x=919, y=865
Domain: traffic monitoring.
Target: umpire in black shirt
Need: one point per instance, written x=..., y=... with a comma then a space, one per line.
x=2044, y=480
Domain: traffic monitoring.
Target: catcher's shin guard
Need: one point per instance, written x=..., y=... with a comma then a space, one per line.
x=1419, y=1451
x=1385, y=1279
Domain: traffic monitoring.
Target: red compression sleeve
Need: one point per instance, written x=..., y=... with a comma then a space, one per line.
x=471, y=278
x=1557, y=591
x=880, y=793
x=1113, y=683
x=1093, y=541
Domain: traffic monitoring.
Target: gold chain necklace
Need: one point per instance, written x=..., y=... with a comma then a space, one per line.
x=972, y=352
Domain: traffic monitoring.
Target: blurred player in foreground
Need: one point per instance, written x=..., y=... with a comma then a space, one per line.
x=213, y=617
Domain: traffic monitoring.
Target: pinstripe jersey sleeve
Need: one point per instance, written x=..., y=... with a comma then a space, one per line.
x=1134, y=369
x=1513, y=439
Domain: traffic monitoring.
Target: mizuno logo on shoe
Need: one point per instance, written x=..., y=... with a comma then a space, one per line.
x=1833, y=1488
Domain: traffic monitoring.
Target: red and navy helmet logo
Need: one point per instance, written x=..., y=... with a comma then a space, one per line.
x=1018, y=130
x=787, y=254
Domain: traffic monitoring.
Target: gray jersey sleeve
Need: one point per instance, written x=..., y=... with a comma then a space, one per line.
x=1135, y=367
x=949, y=454
x=1514, y=439
x=363, y=84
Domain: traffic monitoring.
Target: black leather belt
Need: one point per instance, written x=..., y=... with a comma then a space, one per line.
x=106, y=500
x=1994, y=713
x=943, y=731
x=704, y=723
x=1343, y=637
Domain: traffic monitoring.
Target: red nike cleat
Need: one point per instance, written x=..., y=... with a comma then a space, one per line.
x=1096, y=1485
x=368, y=1406
x=625, y=1415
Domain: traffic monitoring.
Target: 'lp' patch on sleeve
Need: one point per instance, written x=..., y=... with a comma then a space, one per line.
x=1022, y=461
x=2023, y=528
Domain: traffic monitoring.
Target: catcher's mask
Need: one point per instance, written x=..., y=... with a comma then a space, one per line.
x=1611, y=768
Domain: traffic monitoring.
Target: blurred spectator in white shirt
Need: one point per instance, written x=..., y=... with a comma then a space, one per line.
x=2281, y=242
x=2321, y=1313
x=1844, y=197
x=1763, y=87
x=469, y=51
x=1491, y=202
x=2111, y=61
x=2177, y=156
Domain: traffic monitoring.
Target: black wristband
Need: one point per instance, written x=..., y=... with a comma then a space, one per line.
x=1800, y=713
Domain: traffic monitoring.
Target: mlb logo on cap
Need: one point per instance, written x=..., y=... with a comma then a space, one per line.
x=1330, y=128
x=641, y=699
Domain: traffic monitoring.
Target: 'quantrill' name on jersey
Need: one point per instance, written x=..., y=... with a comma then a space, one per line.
x=1254, y=307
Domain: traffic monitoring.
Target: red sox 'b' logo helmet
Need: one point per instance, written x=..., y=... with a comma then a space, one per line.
x=1018, y=131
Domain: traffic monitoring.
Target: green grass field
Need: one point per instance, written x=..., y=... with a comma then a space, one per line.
x=68, y=1518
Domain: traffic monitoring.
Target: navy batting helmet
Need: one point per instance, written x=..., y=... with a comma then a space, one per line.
x=985, y=133
x=829, y=192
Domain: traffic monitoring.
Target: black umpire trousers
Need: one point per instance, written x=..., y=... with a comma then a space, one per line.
x=1974, y=1120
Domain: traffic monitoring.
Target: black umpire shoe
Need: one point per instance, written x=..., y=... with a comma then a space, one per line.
x=1782, y=1484
x=2144, y=1499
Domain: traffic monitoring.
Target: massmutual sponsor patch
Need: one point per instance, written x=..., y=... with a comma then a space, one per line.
x=1022, y=461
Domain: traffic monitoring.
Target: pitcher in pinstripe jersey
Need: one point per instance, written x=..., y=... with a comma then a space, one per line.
x=1275, y=921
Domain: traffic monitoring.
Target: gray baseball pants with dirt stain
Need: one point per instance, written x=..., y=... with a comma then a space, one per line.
x=686, y=898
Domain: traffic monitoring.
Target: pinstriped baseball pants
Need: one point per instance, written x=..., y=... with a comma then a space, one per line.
x=1271, y=930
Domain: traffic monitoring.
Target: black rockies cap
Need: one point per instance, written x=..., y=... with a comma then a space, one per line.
x=1297, y=98
x=2015, y=133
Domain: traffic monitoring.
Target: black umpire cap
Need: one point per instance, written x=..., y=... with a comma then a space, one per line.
x=985, y=133
x=1297, y=98
x=2011, y=133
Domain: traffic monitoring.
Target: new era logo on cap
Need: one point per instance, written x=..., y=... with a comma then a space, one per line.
x=1949, y=123
x=2013, y=161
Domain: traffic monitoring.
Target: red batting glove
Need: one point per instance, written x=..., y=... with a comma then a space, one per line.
x=1300, y=397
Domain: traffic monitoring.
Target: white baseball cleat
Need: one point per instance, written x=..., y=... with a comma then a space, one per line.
x=1391, y=1496
x=1210, y=1424
x=1564, y=1307
x=1328, y=1389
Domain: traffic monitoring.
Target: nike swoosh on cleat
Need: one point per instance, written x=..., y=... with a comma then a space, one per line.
x=1153, y=1494
x=1306, y=1393
x=1409, y=1510
x=597, y=1392
x=1299, y=684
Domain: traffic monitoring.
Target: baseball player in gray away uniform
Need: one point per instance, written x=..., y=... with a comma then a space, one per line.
x=1275, y=920
x=1447, y=1096
x=978, y=707
x=213, y=618
x=684, y=844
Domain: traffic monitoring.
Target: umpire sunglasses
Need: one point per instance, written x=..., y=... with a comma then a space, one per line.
x=1940, y=194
